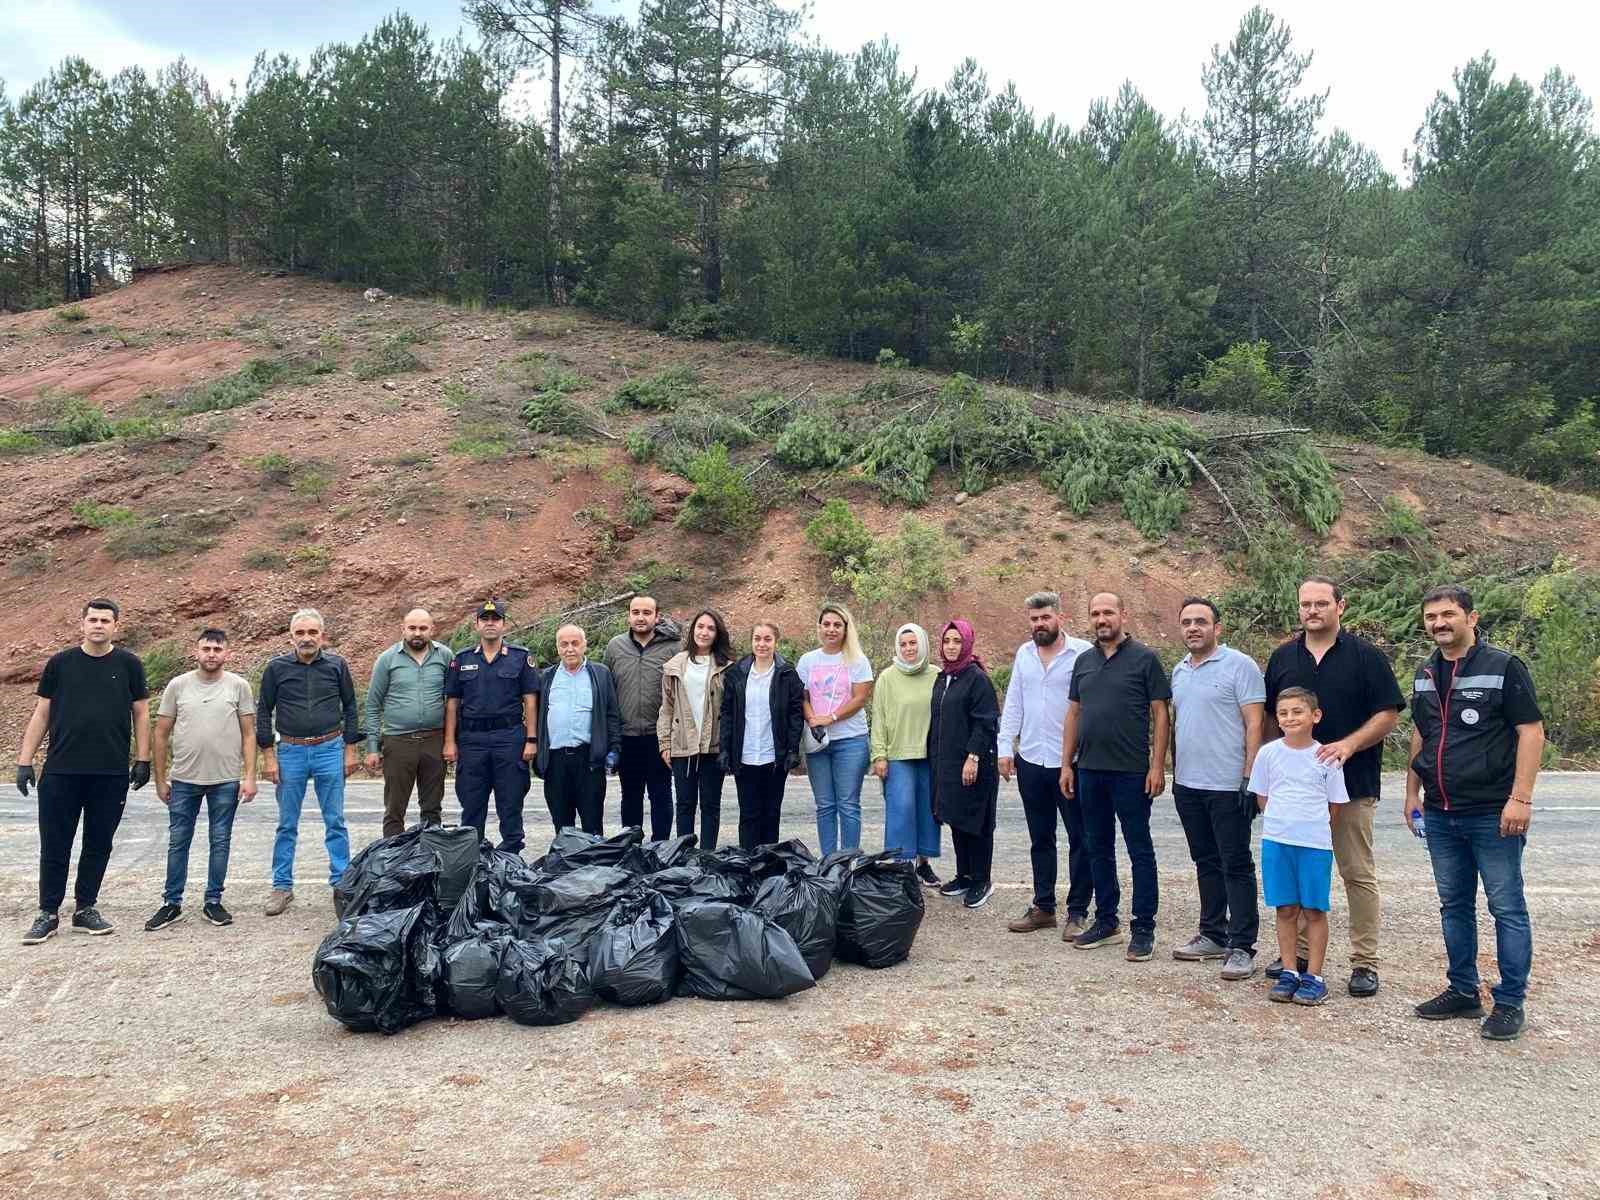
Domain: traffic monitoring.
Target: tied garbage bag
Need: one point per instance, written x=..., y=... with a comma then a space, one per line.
x=634, y=958
x=635, y=860
x=391, y=873
x=542, y=983
x=571, y=906
x=495, y=868
x=378, y=971
x=732, y=953
x=734, y=865
x=806, y=907
x=673, y=852
x=675, y=883
x=591, y=850
x=880, y=911
x=471, y=972
x=780, y=858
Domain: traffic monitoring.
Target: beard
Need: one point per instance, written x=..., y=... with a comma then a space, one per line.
x=1044, y=637
x=416, y=643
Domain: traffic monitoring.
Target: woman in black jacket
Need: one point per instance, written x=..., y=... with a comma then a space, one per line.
x=762, y=716
x=961, y=749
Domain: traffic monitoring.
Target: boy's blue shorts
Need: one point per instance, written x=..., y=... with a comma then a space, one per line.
x=1300, y=875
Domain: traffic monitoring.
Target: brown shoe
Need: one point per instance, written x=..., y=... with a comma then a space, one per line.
x=1072, y=928
x=278, y=901
x=1034, y=918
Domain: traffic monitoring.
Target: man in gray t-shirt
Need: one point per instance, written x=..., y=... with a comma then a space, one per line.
x=205, y=750
x=1217, y=700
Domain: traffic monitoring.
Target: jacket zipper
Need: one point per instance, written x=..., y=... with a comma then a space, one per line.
x=1444, y=730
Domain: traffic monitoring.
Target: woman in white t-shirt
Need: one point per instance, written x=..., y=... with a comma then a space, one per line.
x=687, y=727
x=838, y=681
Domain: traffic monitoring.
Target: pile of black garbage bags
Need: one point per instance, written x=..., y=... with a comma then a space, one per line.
x=433, y=922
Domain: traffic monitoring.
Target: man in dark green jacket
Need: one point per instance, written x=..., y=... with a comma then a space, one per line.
x=635, y=660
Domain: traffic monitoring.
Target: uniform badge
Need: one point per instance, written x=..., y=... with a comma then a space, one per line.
x=1469, y=716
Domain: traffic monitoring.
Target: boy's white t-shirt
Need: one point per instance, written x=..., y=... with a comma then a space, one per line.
x=1298, y=789
x=828, y=680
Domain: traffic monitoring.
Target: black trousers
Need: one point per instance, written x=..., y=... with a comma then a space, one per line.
x=641, y=769
x=63, y=799
x=760, y=803
x=1218, y=831
x=698, y=781
x=974, y=854
x=1042, y=802
x=575, y=789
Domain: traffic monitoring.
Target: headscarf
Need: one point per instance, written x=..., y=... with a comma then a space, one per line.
x=921, y=664
x=968, y=641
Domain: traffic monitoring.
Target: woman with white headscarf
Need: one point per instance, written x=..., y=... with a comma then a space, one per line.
x=901, y=710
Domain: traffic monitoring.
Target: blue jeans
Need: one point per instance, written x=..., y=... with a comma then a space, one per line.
x=1463, y=847
x=908, y=809
x=222, y=802
x=1110, y=798
x=836, y=773
x=324, y=766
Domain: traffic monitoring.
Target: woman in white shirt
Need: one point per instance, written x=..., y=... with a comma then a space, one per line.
x=838, y=682
x=763, y=715
x=687, y=727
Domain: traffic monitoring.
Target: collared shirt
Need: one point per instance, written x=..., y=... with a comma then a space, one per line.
x=405, y=695
x=1352, y=682
x=491, y=689
x=571, y=707
x=1208, y=728
x=1114, y=696
x=758, y=748
x=1036, y=702
x=307, y=699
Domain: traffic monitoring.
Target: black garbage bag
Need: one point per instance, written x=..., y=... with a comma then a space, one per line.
x=592, y=850
x=635, y=860
x=495, y=867
x=457, y=848
x=675, y=883
x=378, y=971
x=805, y=906
x=634, y=958
x=390, y=873
x=733, y=865
x=880, y=911
x=471, y=972
x=542, y=982
x=572, y=907
x=732, y=953
x=780, y=858
x=673, y=852
x=839, y=864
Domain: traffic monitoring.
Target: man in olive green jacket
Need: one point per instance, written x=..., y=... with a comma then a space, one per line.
x=635, y=660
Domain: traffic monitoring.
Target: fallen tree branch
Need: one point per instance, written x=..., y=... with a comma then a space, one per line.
x=1256, y=433
x=583, y=608
x=1217, y=487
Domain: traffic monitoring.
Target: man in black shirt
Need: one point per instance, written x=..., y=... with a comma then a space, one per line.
x=1113, y=759
x=1361, y=704
x=311, y=698
x=92, y=698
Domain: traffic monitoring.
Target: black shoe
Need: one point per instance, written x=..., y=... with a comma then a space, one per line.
x=1276, y=969
x=956, y=887
x=89, y=920
x=167, y=914
x=216, y=914
x=1503, y=1024
x=1450, y=1003
x=1141, y=946
x=1101, y=933
x=978, y=894
x=42, y=930
x=1363, y=982
x=925, y=873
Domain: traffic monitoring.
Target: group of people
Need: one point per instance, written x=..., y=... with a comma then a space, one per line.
x=1087, y=730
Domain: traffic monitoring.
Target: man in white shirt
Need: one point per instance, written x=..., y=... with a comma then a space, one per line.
x=1030, y=748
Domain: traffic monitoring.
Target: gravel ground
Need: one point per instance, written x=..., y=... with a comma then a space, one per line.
x=199, y=1062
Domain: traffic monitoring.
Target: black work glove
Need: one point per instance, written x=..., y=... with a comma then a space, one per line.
x=140, y=775
x=1248, y=808
x=791, y=761
x=25, y=778
x=724, y=764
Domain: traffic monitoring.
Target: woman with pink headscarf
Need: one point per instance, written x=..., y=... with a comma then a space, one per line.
x=961, y=749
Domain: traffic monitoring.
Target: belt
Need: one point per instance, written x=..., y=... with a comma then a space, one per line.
x=412, y=733
x=310, y=741
x=490, y=724
x=582, y=748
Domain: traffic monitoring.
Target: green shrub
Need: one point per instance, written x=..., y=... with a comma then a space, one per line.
x=703, y=322
x=311, y=480
x=83, y=424
x=664, y=390
x=390, y=358
x=277, y=467
x=899, y=570
x=310, y=560
x=638, y=509
x=838, y=534
x=1572, y=446
x=16, y=441
x=245, y=386
x=721, y=501
x=72, y=313
x=812, y=440
x=1241, y=381
x=102, y=516
x=673, y=440
x=482, y=443
x=176, y=533
x=162, y=663
x=264, y=560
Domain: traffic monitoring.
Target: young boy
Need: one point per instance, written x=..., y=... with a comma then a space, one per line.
x=1296, y=793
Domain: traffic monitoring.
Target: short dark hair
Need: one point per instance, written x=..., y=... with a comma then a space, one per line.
x=1216, y=614
x=1297, y=693
x=632, y=596
x=220, y=636
x=721, y=644
x=1338, y=592
x=1452, y=592
x=101, y=602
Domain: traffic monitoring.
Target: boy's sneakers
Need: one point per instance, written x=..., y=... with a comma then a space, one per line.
x=926, y=873
x=1276, y=967
x=1503, y=1024
x=43, y=928
x=1283, y=991
x=1101, y=933
x=956, y=887
x=1450, y=1003
x=978, y=894
x=216, y=914
x=1311, y=990
x=167, y=914
x=89, y=920
x=1140, y=947
x=1198, y=948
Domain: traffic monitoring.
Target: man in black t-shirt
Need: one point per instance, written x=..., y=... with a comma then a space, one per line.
x=92, y=699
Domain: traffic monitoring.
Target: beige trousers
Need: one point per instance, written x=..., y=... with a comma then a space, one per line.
x=1352, y=851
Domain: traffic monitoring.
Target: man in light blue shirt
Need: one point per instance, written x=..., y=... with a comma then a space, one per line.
x=405, y=722
x=1030, y=747
x=571, y=702
x=1218, y=695
x=580, y=733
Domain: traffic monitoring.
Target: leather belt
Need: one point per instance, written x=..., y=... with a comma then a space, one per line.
x=310, y=741
x=413, y=733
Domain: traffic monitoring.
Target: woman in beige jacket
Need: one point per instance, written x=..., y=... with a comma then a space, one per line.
x=687, y=731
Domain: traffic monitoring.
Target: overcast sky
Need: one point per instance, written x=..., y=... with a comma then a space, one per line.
x=1383, y=61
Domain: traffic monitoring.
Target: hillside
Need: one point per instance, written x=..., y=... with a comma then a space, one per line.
x=360, y=487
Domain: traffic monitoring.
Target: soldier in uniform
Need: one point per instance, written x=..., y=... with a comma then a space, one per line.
x=491, y=717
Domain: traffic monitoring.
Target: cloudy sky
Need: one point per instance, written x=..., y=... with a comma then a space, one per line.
x=1383, y=61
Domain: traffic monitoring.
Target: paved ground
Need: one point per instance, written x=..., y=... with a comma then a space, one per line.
x=198, y=1062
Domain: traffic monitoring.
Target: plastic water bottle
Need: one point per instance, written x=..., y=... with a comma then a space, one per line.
x=1416, y=823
